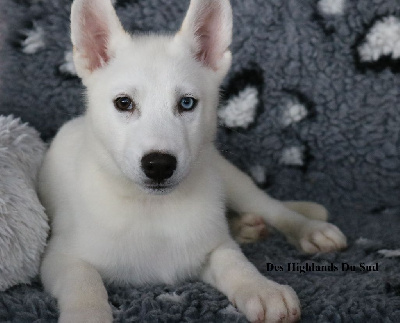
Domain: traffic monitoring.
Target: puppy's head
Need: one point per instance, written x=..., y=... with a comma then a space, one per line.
x=152, y=99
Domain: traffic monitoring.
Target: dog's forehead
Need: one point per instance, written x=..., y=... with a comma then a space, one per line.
x=158, y=57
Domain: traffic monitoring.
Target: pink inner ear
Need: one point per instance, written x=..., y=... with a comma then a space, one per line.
x=207, y=32
x=94, y=39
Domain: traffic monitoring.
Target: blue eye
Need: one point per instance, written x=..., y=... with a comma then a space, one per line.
x=187, y=103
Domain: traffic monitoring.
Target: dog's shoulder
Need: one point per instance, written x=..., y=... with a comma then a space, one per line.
x=62, y=152
x=70, y=131
x=67, y=142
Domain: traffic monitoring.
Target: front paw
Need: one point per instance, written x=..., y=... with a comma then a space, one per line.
x=265, y=301
x=86, y=314
x=319, y=236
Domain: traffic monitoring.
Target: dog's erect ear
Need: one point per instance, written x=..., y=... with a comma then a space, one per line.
x=207, y=28
x=95, y=32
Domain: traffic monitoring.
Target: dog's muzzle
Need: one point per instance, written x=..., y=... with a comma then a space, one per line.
x=158, y=166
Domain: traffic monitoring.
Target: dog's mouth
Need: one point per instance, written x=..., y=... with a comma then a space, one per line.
x=159, y=188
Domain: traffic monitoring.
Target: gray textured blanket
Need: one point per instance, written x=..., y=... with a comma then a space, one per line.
x=311, y=109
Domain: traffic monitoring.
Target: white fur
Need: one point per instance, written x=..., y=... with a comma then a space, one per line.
x=293, y=112
x=292, y=156
x=390, y=253
x=106, y=222
x=171, y=297
x=331, y=7
x=240, y=110
x=382, y=39
x=258, y=173
x=34, y=40
x=364, y=242
x=68, y=67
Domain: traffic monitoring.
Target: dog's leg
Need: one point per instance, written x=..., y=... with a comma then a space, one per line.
x=259, y=298
x=248, y=227
x=310, y=210
x=78, y=287
x=308, y=234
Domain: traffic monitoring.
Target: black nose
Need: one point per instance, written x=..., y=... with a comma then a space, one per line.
x=158, y=166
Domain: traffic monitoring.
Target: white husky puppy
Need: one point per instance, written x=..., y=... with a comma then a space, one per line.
x=136, y=189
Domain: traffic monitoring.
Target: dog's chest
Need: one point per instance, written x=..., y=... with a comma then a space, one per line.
x=154, y=243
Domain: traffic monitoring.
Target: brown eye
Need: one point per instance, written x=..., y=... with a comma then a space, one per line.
x=124, y=103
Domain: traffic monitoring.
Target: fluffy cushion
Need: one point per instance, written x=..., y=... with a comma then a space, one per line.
x=23, y=223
